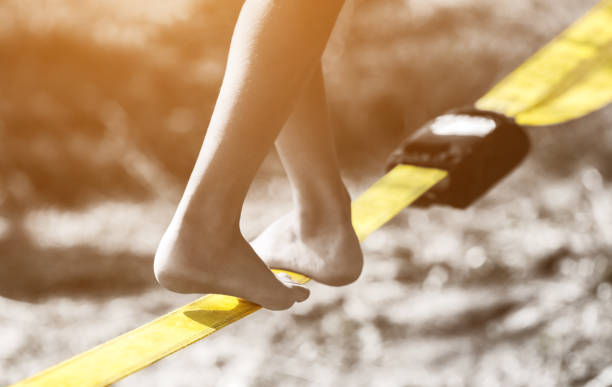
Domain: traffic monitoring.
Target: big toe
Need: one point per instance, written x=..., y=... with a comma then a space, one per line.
x=300, y=292
x=286, y=293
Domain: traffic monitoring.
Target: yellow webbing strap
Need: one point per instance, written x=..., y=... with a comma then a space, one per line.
x=391, y=194
x=139, y=348
x=567, y=79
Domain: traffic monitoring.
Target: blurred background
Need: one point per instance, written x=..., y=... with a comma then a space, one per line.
x=103, y=107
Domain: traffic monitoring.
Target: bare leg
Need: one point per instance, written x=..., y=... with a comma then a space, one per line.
x=317, y=239
x=275, y=47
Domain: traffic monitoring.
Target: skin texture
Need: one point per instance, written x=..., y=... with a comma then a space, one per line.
x=317, y=238
x=273, y=69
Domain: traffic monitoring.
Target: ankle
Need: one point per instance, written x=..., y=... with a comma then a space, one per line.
x=322, y=215
x=206, y=210
x=327, y=196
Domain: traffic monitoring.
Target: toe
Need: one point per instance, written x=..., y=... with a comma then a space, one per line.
x=300, y=292
x=286, y=293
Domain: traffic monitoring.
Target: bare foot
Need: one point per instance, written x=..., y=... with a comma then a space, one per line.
x=191, y=260
x=321, y=247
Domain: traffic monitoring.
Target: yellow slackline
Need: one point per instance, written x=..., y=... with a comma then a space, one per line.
x=568, y=78
x=137, y=349
x=388, y=196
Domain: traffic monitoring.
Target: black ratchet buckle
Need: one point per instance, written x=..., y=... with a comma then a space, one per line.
x=477, y=148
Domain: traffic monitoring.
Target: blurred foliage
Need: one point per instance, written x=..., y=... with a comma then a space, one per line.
x=71, y=103
x=81, y=90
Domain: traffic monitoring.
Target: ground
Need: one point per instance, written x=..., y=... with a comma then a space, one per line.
x=102, y=105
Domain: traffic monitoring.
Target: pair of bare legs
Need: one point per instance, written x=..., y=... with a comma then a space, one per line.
x=273, y=81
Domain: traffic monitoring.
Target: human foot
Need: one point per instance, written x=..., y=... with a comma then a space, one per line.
x=189, y=260
x=321, y=247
